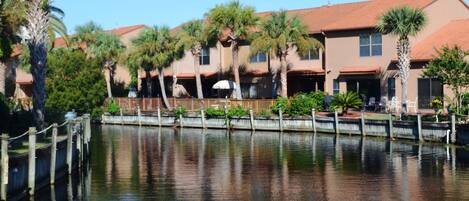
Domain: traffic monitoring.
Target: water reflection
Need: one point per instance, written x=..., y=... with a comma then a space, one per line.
x=132, y=163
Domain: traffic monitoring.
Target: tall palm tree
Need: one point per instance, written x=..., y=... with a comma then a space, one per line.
x=279, y=35
x=107, y=49
x=402, y=22
x=86, y=35
x=157, y=50
x=194, y=37
x=233, y=23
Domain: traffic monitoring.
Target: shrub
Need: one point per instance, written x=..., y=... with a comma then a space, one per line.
x=214, y=112
x=6, y=107
x=238, y=111
x=264, y=113
x=345, y=101
x=180, y=111
x=281, y=103
x=113, y=107
x=303, y=103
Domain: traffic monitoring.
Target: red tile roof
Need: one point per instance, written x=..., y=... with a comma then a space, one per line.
x=307, y=70
x=359, y=70
x=454, y=33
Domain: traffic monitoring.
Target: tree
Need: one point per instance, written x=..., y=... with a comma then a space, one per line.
x=346, y=101
x=451, y=69
x=279, y=35
x=232, y=23
x=107, y=49
x=402, y=22
x=86, y=35
x=194, y=37
x=157, y=50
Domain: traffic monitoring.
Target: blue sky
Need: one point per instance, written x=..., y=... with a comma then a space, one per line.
x=117, y=13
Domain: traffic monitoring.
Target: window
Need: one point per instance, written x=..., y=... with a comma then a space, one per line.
x=371, y=45
x=336, y=86
x=204, y=58
x=259, y=57
x=311, y=55
x=391, y=87
x=428, y=89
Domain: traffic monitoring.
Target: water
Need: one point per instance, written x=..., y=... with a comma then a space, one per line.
x=131, y=163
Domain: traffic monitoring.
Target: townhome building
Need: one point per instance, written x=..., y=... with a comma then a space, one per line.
x=356, y=57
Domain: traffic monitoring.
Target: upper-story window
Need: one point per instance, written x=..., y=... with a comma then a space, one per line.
x=204, y=58
x=371, y=45
x=258, y=58
x=311, y=55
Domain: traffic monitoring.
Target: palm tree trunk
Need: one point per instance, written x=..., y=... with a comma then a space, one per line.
x=175, y=82
x=283, y=76
x=198, y=81
x=149, y=84
x=403, y=53
x=37, y=27
x=163, y=91
x=235, y=51
x=107, y=75
x=3, y=69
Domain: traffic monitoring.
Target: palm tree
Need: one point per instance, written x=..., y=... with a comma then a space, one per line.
x=279, y=35
x=402, y=22
x=157, y=50
x=107, y=49
x=232, y=23
x=86, y=35
x=194, y=37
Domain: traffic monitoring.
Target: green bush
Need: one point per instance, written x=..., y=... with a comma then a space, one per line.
x=113, y=107
x=238, y=111
x=214, y=112
x=6, y=107
x=346, y=101
x=180, y=111
x=303, y=103
x=465, y=104
x=281, y=103
x=264, y=113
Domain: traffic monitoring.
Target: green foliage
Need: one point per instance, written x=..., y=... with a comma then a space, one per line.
x=107, y=48
x=214, y=112
x=178, y=111
x=281, y=103
x=113, y=107
x=237, y=111
x=264, y=113
x=74, y=82
x=194, y=36
x=6, y=107
x=465, y=104
x=402, y=21
x=87, y=33
x=303, y=103
x=346, y=101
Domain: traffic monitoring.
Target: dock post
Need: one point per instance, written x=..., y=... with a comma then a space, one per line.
x=419, y=127
x=79, y=148
x=53, y=153
x=69, y=147
x=391, y=127
x=87, y=133
x=362, y=123
x=32, y=160
x=4, y=184
x=122, y=116
x=336, y=121
x=453, y=128
x=158, y=110
x=180, y=121
x=227, y=122
x=280, y=115
x=202, y=116
x=313, y=115
x=139, y=113
x=251, y=115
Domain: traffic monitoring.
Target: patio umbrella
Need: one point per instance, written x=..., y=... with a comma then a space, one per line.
x=225, y=84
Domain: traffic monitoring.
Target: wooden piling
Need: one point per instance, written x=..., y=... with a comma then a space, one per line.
x=453, y=128
x=227, y=121
x=69, y=147
x=79, y=148
x=158, y=110
x=280, y=116
x=53, y=153
x=313, y=115
x=202, y=117
x=391, y=128
x=251, y=115
x=139, y=113
x=362, y=123
x=336, y=123
x=32, y=160
x=419, y=127
x=4, y=168
x=122, y=116
x=180, y=121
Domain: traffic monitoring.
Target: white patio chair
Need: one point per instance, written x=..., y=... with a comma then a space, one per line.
x=394, y=105
x=413, y=104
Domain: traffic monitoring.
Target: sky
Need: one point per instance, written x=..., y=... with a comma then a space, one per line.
x=118, y=13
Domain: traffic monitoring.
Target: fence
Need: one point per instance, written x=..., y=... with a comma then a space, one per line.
x=29, y=170
x=130, y=105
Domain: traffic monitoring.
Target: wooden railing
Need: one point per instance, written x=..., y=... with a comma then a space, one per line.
x=130, y=105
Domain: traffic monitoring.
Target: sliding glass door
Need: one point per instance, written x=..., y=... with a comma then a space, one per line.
x=428, y=89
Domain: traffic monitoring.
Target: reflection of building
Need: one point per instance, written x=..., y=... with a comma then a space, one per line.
x=24, y=80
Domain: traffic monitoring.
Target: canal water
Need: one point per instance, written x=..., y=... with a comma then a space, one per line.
x=132, y=163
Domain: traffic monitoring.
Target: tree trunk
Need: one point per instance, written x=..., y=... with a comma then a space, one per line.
x=274, y=77
x=175, y=82
x=198, y=80
x=37, y=28
x=403, y=54
x=107, y=75
x=149, y=84
x=3, y=69
x=283, y=76
x=163, y=91
x=235, y=51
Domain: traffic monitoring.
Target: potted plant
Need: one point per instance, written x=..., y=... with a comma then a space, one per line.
x=345, y=101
